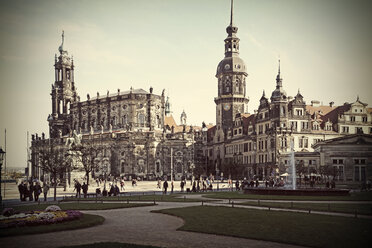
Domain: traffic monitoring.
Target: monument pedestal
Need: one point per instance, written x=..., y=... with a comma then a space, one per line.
x=77, y=175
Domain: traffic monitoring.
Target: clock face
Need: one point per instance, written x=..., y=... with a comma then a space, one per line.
x=226, y=107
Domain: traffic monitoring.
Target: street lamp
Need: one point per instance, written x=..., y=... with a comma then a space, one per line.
x=2, y=153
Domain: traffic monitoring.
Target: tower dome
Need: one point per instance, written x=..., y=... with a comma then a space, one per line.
x=232, y=63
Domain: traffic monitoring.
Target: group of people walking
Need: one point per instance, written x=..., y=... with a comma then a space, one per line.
x=32, y=191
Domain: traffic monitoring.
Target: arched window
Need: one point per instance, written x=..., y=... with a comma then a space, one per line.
x=237, y=87
x=141, y=120
x=124, y=120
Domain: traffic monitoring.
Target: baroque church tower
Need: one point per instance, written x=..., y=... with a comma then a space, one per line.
x=231, y=75
x=63, y=94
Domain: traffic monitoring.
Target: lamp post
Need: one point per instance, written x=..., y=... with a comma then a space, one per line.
x=2, y=153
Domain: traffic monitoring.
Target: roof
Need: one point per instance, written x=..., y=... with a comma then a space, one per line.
x=319, y=109
x=169, y=120
x=353, y=139
x=121, y=93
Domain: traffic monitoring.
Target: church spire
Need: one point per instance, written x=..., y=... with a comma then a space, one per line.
x=279, y=78
x=232, y=13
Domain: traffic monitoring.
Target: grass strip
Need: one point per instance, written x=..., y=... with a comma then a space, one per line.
x=110, y=245
x=293, y=228
x=365, y=209
x=81, y=206
x=356, y=196
x=87, y=220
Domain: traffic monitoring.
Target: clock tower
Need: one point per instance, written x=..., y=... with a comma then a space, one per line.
x=231, y=75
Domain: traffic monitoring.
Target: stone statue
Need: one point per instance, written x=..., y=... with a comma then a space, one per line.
x=91, y=130
x=110, y=128
x=108, y=93
x=43, y=136
x=75, y=140
x=97, y=94
x=118, y=91
x=88, y=97
x=151, y=89
x=101, y=128
x=162, y=93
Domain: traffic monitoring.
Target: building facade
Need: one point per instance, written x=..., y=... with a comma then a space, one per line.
x=259, y=145
x=132, y=132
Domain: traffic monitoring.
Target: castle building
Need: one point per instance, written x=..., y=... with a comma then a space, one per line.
x=259, y=145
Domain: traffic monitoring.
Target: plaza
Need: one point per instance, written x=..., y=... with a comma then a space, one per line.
x=167, y=98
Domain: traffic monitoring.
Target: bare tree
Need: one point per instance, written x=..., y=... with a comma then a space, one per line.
x=55, y=161
x=89, y=153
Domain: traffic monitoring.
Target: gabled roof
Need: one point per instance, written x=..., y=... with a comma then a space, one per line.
x=169, y=120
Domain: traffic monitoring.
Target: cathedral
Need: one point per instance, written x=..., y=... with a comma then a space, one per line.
x=135, y=133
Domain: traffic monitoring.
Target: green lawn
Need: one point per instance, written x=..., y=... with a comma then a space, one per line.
x=294, y=228
x=332, y=207
x=81, y=206
x=148, y=197
x=87, y=220
x=110, y=245
x=357, y=196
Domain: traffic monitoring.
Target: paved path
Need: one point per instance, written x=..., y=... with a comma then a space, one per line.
x=139, y=226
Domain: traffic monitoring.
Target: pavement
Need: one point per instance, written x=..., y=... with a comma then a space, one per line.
x=138, y=226
x=141, y=226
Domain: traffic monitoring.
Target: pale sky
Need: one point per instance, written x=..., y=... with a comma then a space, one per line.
x=325, y=47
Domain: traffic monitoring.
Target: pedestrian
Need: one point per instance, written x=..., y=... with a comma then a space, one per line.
x=172, y=187
x=31, y=191
x=159, y=184
x=182, y=184
x=78, y=188
x=122, y=184
x=327, y=184
x=85, y=189
x=97, y=181
x=257, y=183
x=45, y=190
x=37, y=191
x=165, y=186
x=21, y=191
x=193, y=187
x=237, y=185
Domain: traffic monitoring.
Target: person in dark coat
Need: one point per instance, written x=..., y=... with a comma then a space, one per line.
x=37, y=191
x=117, y=190
x=21, y=190
x=31, y=191
x=85, y=189
x=112, y=190
x=78, y=189
x=237, y=185
x=165, y=186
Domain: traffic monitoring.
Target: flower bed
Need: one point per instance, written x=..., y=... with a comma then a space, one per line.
x=11, y=218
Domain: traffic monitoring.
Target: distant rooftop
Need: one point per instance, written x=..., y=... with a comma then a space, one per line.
x=121, y=93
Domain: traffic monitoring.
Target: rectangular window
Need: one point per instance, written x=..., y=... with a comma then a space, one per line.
x=300, y=142
x=352, y=118
x=364, y=118
x=356, y=173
